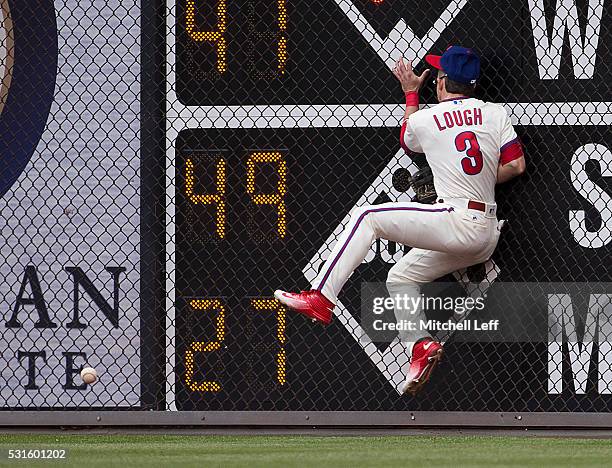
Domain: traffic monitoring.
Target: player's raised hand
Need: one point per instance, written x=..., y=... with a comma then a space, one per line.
x=406, y=76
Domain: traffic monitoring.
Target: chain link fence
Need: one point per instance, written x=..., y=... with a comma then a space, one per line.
x=70, y=216
x=167, y=165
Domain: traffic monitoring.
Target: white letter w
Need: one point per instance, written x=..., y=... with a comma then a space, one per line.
x=584, y=49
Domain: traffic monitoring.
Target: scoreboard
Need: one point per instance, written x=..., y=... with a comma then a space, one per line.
x=243, y=230
x=282, y=115
x=254, y=52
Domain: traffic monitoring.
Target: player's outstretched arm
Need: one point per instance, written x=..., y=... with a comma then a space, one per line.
x=510, y=170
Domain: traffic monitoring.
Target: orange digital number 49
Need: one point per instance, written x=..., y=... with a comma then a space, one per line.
x=218, y=198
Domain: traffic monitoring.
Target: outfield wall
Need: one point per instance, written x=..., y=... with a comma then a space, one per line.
x=167, y=165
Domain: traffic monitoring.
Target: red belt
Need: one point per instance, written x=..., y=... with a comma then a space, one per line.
x=473, y=205
x=476, y=205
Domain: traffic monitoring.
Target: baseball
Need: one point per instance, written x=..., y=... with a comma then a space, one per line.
x=89, y=375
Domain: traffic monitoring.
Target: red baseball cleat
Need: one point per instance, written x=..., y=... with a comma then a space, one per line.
x=312, y=304
x=426, y=355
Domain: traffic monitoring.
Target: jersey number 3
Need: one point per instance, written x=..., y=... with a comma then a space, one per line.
x=472, y=163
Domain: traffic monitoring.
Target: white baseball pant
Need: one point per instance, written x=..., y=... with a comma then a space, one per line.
x=445, y=237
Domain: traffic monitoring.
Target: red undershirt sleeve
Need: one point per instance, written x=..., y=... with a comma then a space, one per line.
x=511, y=151
x=510, y=147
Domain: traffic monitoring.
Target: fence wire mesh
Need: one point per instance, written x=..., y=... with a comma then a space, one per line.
x=167, y=165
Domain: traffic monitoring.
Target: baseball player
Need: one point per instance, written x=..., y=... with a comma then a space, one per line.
x=470, y=146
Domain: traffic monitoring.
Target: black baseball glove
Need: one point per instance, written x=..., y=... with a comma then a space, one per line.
x=423, y=186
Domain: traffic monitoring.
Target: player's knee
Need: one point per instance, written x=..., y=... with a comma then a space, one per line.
x=363, y=215
x=398, y=276
x=361, y=212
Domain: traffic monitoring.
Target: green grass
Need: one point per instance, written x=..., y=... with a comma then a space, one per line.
x=128, y=451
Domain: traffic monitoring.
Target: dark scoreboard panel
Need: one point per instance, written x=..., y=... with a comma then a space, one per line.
x=252, y=213
x=271, y=52
x=259, y=52
x=250, y=216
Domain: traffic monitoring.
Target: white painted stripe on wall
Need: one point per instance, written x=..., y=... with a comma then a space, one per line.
x=372, y=115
